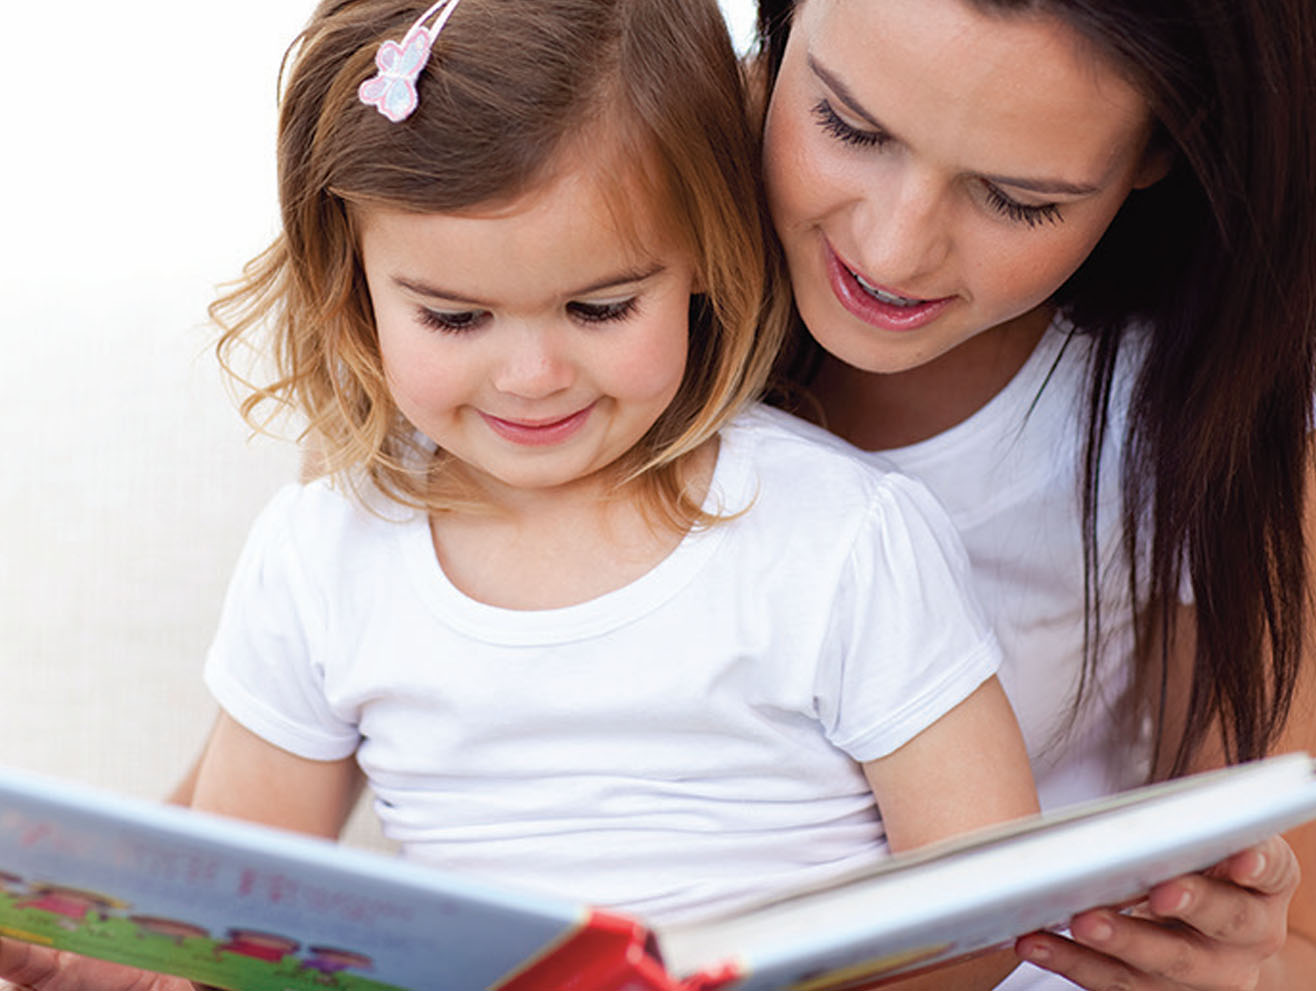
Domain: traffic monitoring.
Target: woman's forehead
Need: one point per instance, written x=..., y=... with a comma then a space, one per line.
x=999, y=89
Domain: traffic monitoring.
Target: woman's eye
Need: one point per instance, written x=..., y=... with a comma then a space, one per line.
x=452, y=322
x=830, y=121
x=1022, y=213
x=602, y=312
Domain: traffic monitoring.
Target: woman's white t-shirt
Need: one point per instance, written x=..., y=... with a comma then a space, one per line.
x=1010, y=478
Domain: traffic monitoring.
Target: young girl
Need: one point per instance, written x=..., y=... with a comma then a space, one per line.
x=1057, y=260
x=588, y=622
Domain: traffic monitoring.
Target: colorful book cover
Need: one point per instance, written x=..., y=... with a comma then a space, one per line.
x=244, y=907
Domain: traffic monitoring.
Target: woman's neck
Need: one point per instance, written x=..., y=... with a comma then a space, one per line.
x=877, y=411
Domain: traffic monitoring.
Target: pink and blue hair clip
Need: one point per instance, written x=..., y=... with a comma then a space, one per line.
x=392, y=90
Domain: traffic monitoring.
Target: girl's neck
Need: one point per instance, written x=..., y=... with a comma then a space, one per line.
x=877, y=411
x=549, y=549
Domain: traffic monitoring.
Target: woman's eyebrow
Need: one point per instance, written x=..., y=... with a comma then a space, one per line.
x=1045, y=186
x=607, y=282
x=843, y=94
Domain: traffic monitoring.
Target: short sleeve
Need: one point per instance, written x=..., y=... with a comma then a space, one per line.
x=909, y=639
x=262, y=666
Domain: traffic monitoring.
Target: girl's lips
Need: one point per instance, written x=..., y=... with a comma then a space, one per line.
x=871, y=310
x=541, y=433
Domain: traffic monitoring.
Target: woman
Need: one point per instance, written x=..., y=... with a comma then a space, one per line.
x=1058, y=260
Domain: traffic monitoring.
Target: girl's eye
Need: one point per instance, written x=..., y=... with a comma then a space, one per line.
x=452, y=322
x=830, y=121
x=1033, y=216
x=602, y=312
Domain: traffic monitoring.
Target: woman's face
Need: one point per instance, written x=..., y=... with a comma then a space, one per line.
x=935, y=171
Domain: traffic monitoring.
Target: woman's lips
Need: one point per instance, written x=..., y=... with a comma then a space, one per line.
x=897, y=316
x=538, y=433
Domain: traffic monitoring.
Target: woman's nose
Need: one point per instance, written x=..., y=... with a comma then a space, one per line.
x=903, y=232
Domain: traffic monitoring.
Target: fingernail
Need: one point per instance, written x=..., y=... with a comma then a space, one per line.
x=1182, y=904
x=1101, y=931
x=1260, y=867
x=1037, y=954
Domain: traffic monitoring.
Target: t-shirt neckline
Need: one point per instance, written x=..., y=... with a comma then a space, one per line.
x=729, y=490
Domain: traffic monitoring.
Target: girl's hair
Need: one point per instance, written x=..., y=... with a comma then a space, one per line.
x=1219, y=260
x=650, y=88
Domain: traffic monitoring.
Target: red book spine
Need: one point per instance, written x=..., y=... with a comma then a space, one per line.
x=607, y=953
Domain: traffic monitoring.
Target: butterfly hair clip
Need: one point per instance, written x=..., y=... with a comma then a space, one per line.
x=392, y=90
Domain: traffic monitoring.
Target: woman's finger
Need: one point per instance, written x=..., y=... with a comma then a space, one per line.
x=1083, y=966
x=42, y=969
x=1222, y=911
x=1242, y=901
x=1271, y=868
x=1169, y=951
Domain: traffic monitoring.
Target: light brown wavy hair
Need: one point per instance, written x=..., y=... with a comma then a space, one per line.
x=510, y=86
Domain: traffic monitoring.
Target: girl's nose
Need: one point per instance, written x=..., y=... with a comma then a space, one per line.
x=535, y=365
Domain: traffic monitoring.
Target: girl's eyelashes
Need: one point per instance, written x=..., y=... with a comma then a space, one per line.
x=832, y=123
x=602, y=312
x=1021, y=213
x=458, y=321
x=452, y=322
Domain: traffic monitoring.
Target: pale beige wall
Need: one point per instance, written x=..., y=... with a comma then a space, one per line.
x=137, y=173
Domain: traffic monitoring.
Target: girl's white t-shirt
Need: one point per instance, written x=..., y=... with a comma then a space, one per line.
x=679, y=746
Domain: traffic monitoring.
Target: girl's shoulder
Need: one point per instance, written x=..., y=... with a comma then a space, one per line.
x=765, y=428
x=802, y=470
x=322, y=520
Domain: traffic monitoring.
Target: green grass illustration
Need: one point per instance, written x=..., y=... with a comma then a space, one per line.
x=121, y=940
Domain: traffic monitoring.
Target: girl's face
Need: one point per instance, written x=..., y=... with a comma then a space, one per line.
x=935, y=171
x=531, y=340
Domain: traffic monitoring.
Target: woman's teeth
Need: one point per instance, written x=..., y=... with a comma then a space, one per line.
x=891, y=299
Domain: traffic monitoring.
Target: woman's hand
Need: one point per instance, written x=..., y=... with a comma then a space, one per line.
x=1216, y=931
x=39, y=968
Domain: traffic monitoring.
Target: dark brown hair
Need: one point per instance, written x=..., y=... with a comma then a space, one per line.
x=653, y=85
x=1219, y=260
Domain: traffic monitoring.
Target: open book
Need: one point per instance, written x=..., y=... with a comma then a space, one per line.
x=253, y=909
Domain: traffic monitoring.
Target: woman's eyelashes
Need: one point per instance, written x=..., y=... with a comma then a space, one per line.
x=1023, y=213
x=833, y=124
x=460, y=321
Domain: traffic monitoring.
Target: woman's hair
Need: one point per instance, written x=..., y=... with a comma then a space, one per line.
x=650, y=88
x=1219, y=260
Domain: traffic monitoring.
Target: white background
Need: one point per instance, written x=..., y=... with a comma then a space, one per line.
x=137, y=173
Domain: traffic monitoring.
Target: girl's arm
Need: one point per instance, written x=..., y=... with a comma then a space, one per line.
x=967, y=770
x=244, y=776
x=186, y=787
x=1244, y=925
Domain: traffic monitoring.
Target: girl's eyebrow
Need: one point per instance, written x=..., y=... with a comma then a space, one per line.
x=1033, y=185
x=607, y=282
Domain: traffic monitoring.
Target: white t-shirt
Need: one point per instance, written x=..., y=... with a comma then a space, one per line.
x=678, y=746
x=1009, y=476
